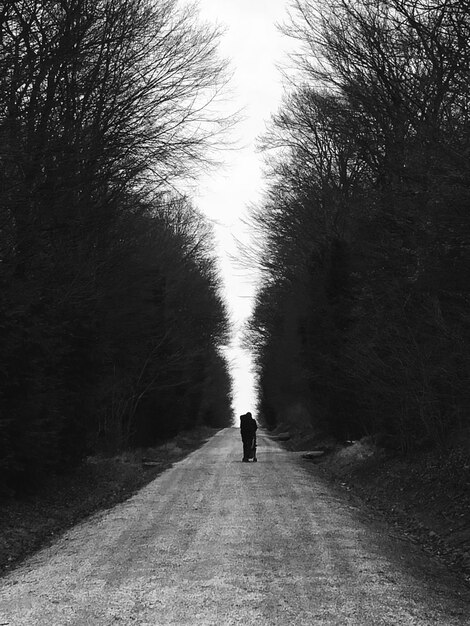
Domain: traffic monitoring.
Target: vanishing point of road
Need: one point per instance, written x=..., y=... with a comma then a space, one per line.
x=215, y=541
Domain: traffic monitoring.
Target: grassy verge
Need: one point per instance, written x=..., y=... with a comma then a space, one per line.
x=424, y=495
x=32, y=522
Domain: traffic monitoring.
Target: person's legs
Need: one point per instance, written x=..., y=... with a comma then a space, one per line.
x=246, y=450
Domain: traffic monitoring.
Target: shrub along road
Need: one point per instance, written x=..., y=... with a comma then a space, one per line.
x=216, y=541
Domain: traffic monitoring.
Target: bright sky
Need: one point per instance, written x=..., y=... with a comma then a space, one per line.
x=255, y=48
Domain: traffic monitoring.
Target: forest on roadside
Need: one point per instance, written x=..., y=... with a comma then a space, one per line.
x=362, y=320
x=111, y=316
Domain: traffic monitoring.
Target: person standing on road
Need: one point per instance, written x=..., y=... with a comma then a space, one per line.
x=248, y=428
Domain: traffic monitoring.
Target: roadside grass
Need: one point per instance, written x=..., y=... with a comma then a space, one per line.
x=424, y=495
x=34, y=521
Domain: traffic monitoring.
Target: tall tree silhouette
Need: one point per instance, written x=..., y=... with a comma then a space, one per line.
x=368, y=201
x=104, y=106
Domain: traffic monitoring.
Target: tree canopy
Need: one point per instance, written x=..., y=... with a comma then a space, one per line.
x=110, y=310
x=363, y=311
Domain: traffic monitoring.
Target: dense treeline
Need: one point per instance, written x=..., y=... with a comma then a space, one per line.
x=362, y=321
x=110, y=313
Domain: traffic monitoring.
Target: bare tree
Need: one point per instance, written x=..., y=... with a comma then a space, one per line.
x=367, y=210
x=104, y=106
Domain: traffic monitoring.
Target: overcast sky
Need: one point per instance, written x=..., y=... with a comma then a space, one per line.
x=255, y=48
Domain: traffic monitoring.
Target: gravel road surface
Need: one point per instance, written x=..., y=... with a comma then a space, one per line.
x=215, y=541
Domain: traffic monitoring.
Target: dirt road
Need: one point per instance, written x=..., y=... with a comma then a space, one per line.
x=215, y=541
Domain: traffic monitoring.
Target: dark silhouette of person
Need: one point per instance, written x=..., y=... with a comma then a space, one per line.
x=248, y=428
